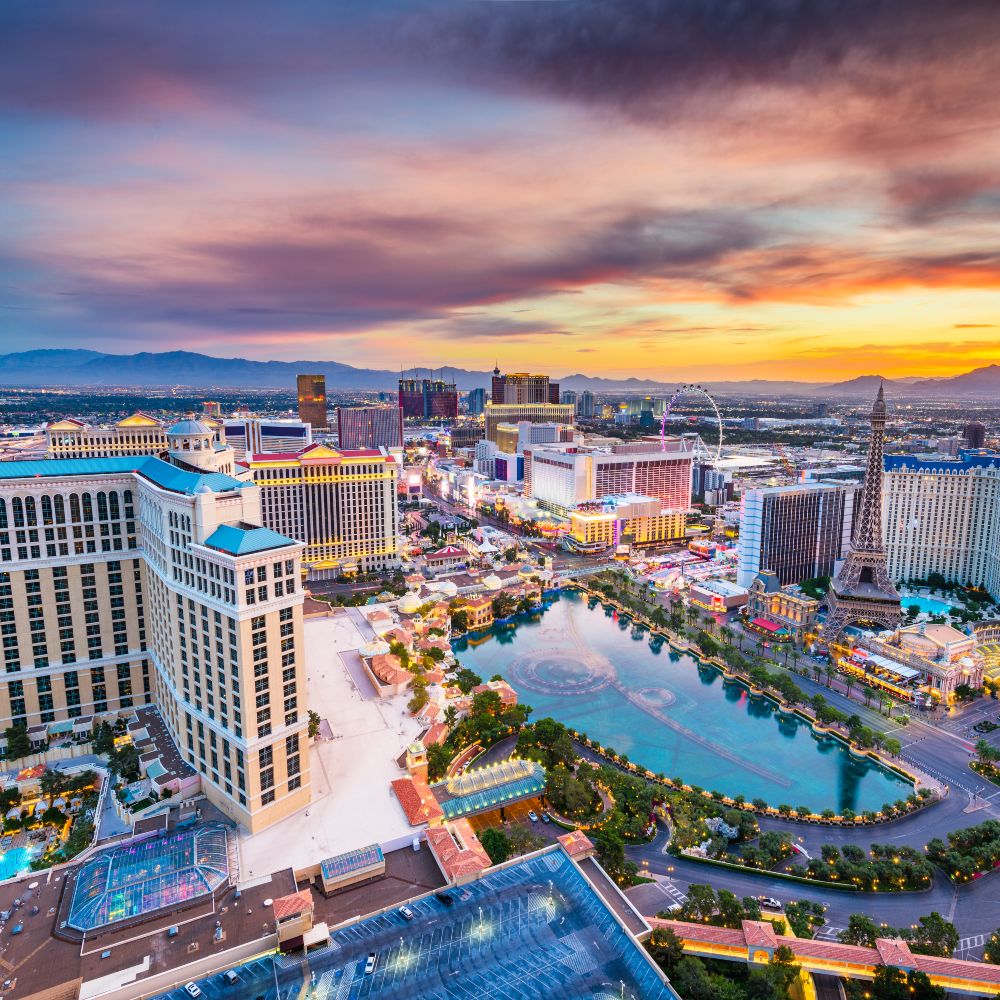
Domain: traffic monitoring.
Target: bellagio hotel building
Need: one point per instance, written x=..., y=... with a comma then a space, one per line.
x=130, y=580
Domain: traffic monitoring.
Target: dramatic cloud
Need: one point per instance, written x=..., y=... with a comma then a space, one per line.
x=620, y=178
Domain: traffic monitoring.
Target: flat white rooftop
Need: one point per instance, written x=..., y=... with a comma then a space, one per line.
x=352, y=802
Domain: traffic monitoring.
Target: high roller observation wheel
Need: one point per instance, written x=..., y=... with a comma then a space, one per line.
x=691, y=390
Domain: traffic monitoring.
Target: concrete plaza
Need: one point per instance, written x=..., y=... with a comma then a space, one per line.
x=352, y=802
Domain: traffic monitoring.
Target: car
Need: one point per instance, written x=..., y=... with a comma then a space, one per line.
x=769, y=902
x=230, y=977
x=371, y=963
x=192, y=990
x=406, y=913
x=546, y=818
x=532, y=815
x=444, y=899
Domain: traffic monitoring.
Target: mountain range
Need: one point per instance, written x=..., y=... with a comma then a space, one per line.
x=82, y=368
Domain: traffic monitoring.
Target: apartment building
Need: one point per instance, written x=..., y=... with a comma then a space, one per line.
x=799, y=532
x=133, y=580
x=942, y=515
x=340, y=504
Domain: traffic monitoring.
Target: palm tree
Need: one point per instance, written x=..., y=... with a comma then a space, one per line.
x=727, y=634
x=869, y=693
x=829, y=671
x=817, y=670
x=849, y=683
x=796, y=656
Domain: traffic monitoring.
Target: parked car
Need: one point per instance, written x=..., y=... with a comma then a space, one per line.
x=192, y=990
x=444, y=899
x=230, y=977
x=532, y=815
x=371, y=963
x=769, y=902
x=546, y=818
x=406, y=913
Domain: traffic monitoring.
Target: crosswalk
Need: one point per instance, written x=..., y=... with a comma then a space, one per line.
x=667, y=887
x=828, y=932
x=968, y=944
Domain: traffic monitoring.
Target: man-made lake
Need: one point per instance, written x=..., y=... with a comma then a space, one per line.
x=590, y=669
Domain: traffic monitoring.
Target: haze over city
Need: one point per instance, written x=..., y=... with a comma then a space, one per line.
x=669, y=190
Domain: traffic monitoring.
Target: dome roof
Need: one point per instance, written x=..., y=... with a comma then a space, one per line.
x=409, y=603
x=492, y=581
x=189, y=426
x=376, y=647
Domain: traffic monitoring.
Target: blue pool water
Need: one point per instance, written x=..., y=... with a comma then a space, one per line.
x=591, y=670
x=14, y=861
x=931, y=605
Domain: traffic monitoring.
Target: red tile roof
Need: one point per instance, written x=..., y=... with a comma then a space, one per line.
x=894, y=953
x=417, y=801
x=458, y=850
x=292, y=905
x=759, y=934
x=576, y=843
x=438, y=733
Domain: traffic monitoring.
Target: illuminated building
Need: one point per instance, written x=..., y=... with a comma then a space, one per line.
x=143, y=581
x=535, y=413
x=369, y=427
x=799, y=531
x=312, y=400
x=717, y=596
x=585, y=404
x=340, y=504
x=522, y=388
x=627, y=519
x=428, y=399
x=476, y=402
x=515, y=437
x=974, y=434
x=561, y=476
x=138, y=434
x=768, y=601
x=943, y=516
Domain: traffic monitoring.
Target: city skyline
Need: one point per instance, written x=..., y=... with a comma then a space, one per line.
x=664, y=190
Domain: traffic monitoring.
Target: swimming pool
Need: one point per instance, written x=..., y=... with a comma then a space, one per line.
x=14, y=861
x=591, y=669
x=932, y=605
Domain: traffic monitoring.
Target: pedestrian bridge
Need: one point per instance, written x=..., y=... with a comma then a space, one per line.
x=755, y=943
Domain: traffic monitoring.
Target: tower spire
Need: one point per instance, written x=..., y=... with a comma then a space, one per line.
x=862, y=591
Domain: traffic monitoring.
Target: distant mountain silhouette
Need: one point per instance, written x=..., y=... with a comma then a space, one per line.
x=81, y=368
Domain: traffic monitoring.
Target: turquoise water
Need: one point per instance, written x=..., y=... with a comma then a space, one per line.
x=931, y=605
x=14, y=861
x=590, y=669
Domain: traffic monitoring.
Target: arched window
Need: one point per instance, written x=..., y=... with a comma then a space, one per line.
x=3, y=513
x=29, y=511
x=88, y=507
x=128, y=496
x=74, y=508
x=46, y=509
x=17, y=506
x=102, y=506
x=60, y=510
x=113, y=500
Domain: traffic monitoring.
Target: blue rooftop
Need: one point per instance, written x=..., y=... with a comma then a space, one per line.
x=240, y=540
x=967, y=460
x=163, y=474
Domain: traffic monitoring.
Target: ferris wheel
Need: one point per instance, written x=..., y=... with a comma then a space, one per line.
x=715, y=449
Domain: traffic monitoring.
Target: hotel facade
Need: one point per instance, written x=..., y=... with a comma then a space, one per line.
x=133, y=580
x=340, y=504
x=942, y=515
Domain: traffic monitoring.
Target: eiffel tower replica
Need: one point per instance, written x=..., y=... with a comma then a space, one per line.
x=862, y=592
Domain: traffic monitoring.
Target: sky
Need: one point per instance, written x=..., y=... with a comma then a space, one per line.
x=724, y=189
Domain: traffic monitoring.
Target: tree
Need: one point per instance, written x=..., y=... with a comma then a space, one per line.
x=869, y=693
x=522, y=840
x=460, y=620
x=934, y=936
x=991, y=953
x=314, y=721
x=18, y=744
x=892, y=746
x=860, y=930
x=51, y=784
x=665, y=948
x=496, y=844
x=986, y=752
x=467, y=679
x=701, y=902
x=438, y=759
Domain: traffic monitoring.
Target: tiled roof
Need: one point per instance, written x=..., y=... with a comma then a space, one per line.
x=292, y=905
x=576, y=843
x=241, y=540
x=388, y=669
x=417, y=801
x=895, y=953
x=759, y=934
x=437, y=733
x=457, y=849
